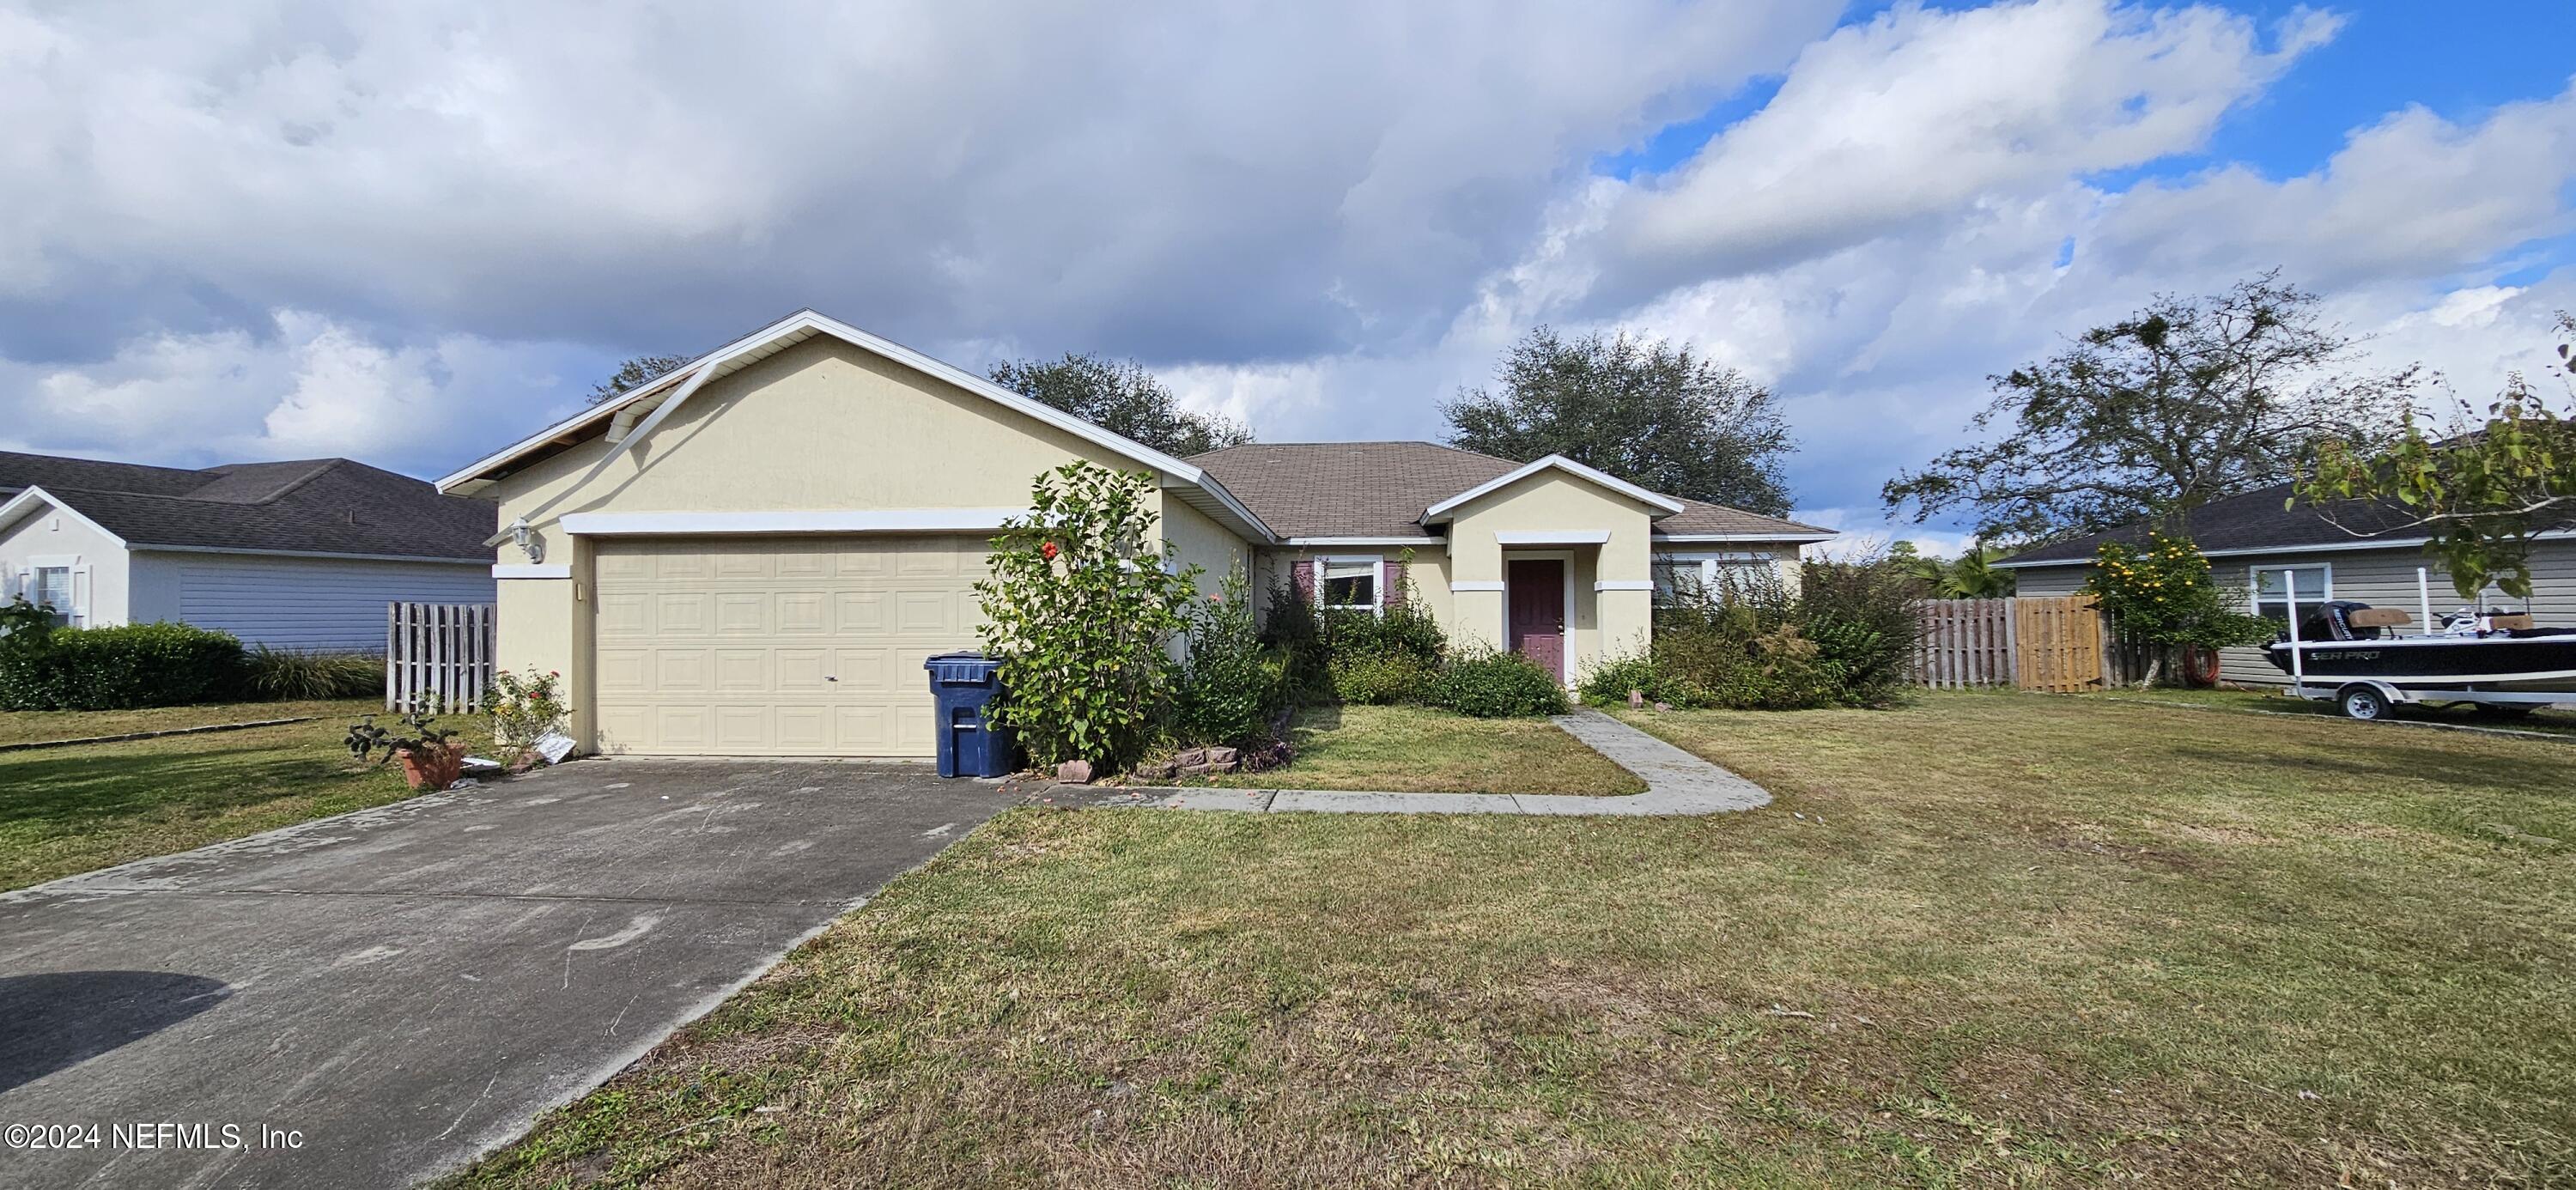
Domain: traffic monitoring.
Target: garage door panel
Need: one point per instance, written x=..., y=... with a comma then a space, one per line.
x=622, y=671
x=743, y=614
x=790, y=646
x=802, y=612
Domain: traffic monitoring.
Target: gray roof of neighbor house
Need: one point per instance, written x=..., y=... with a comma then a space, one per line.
x=1380, y=489
x=2252, y=523
x=311, y=506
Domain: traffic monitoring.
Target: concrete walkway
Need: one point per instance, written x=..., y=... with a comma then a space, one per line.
x=1677, y=784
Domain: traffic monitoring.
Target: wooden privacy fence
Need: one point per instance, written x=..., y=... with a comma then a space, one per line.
x=2036, y=643
x=439, y=653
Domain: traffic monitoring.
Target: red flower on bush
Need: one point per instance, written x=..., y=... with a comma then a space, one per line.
x=1049, y=550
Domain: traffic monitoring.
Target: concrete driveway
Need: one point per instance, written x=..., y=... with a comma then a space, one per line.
x=374, y=999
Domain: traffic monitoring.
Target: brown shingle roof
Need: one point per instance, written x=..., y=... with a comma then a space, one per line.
x=1379, y=489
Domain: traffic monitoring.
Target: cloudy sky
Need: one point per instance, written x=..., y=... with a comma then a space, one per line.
x=408, y=233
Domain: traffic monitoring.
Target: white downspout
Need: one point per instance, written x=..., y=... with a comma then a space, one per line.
x=2424, y=598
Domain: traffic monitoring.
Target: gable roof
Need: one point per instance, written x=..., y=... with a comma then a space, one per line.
x=620, y=416
x=1385, y=489
x=2261, y=521
x=1441, y=510
x=310, y=506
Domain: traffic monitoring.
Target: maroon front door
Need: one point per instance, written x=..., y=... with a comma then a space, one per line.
x=1534, y=589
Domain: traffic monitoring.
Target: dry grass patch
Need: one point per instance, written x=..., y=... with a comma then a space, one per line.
x=1966, y=947
x=1421, y=750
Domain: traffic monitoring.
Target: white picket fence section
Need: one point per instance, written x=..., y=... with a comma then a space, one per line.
x=438, y=654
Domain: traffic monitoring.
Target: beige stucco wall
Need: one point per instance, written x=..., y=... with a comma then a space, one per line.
x=1605, y=622
x=51, y=533
x=1198, y=540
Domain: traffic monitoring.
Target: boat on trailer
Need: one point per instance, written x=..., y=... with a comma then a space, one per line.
x=2351, y=653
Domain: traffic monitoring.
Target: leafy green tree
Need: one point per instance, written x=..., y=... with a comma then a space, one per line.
x=634, y=374
x=2161, y=594
x=1081, y=607
x=2184, y=402
x=2479, y=493
x=1650, y=411
x=1971, y=575
x=1122, y=397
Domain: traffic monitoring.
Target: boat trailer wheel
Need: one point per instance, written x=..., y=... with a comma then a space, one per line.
x=2362, y=702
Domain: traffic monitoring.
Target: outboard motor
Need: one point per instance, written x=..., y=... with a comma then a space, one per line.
x=2333, y=621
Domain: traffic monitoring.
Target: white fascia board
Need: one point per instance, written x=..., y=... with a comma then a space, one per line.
x=1804, y=538
x=33, y=496
x=1551, y=537
x=806, y=322
x=1326, y=542
x=1441, y=510
x=2331, y=547
x=531, y=570
x=894, y=520
x=1476, y=585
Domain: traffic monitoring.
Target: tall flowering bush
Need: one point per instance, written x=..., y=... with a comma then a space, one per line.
x=2161, y=594
x=1081, y=609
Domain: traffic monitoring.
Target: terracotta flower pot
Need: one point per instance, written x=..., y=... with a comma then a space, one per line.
x=434, y=767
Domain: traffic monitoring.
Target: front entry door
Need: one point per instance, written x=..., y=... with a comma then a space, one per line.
x=1534, y=589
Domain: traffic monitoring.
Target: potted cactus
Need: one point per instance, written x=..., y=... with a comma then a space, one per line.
x=430, y=757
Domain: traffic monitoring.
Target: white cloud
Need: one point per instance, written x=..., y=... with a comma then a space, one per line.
x=310, y=387
x=1172, y=180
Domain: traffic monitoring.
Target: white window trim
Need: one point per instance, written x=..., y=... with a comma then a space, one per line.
x=1709, y=561
x=2254, y=586
x=1377, y=585
x=1565, y=667
x=75, y=578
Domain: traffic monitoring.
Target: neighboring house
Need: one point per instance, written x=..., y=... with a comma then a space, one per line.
x=2251, y=539
x=301, y=555
x=752, y=554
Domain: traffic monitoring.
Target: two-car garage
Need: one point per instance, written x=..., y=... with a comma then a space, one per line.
x=778, y=646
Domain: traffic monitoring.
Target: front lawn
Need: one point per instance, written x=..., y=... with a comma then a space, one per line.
x=70, y=810
x=1987, y=939
x=1421, y=750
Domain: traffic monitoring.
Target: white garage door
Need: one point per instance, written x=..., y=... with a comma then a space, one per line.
x=804, y=646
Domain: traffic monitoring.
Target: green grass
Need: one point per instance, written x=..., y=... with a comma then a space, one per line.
x=1421, y=750
x=1982, y=940
x=70, y=810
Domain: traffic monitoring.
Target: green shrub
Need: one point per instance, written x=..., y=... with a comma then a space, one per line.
x=1405, y=629
x=1491, y=684
x=1230, y=685
x=137, y=665
x=1862, y=617
x=1609, y=683
x=1378, y=679
x=1081, y=608
x=524, y=707
x=289, y=674
x=1295, y=633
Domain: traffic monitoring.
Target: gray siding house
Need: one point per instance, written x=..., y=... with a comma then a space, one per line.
x=2250, y=539
x=302, y=555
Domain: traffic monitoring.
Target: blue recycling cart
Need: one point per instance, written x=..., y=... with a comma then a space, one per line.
x=970, y=744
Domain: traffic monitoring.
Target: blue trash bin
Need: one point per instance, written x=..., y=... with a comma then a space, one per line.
x=965, y=684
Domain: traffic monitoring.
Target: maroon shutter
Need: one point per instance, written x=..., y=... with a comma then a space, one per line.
x=1394, y=594
x=1304, y=577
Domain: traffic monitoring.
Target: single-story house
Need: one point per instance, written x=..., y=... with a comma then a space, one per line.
x=753, y=554
x=301, y=555
x=2374, y=556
